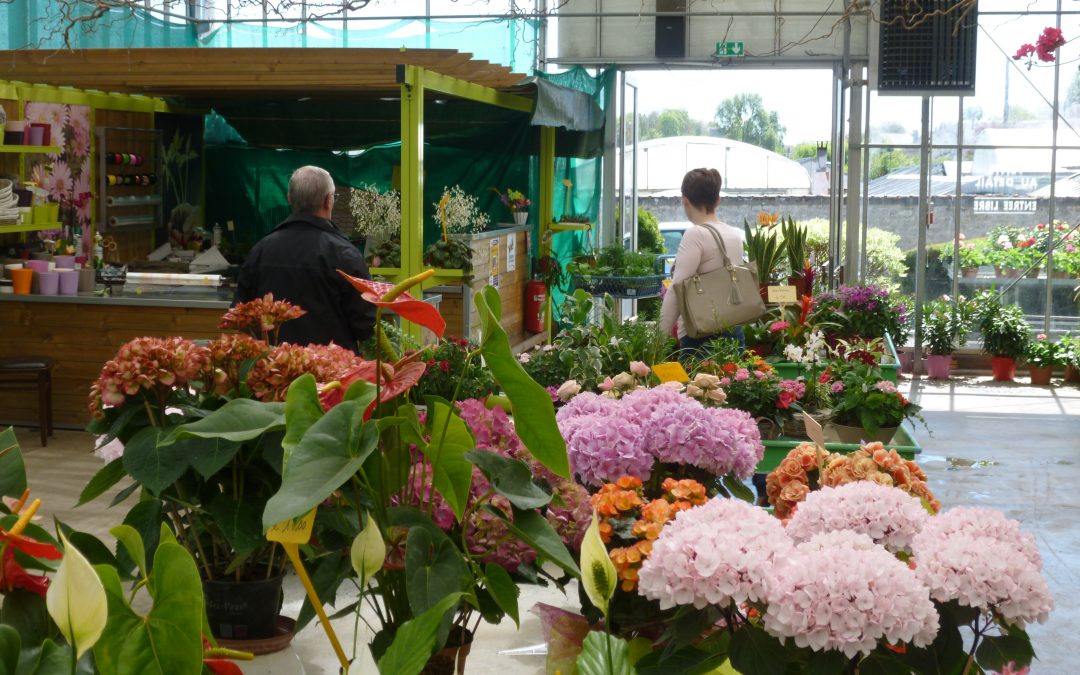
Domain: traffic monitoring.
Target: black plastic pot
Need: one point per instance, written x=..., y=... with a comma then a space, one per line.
x=243, y=610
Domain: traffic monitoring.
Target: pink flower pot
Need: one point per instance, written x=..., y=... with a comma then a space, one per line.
x=938, y=366
x=69, y=282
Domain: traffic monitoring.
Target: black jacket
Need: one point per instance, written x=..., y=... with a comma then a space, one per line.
x=298, y=262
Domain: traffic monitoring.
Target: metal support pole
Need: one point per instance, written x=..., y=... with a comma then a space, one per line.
x=1052, y=238
x=924, y=215
x=856, y=226
x=836, y=175
x=607, y=189
x=958, y=199
x=547, y=204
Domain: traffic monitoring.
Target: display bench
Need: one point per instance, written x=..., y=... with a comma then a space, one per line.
x=776, y=450
x=80, y=333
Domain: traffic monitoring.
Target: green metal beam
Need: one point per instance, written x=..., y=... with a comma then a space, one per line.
x=451, y=86
x=547, y=204
x=412, y=180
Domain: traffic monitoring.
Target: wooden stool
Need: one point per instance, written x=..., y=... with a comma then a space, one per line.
x=26, y=373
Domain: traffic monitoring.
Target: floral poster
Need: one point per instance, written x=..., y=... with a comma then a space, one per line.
x=65, y=176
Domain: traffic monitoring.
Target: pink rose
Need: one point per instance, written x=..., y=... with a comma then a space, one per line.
x=607, y=385
x=639, y=368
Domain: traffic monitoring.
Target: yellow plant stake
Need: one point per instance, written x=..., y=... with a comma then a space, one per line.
x=290, y=534
x=442, y=213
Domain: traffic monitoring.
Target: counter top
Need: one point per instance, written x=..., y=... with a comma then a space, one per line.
x=496, y=230
x=195, y=297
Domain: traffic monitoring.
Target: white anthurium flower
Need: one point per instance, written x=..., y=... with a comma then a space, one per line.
x=76, y=600
x=368, y=551
x=598, y=574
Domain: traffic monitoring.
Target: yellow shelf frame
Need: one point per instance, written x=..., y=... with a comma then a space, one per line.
x=34, y=227
x=31, y=149
x=570, y=227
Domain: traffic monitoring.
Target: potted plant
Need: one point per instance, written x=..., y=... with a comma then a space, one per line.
x=457, y=213
x=1042, y=357
x=945, y=327
x=1004, y=333
x=377, y=218
x=165, y=402
x=795, y=237
x=1069, y=351
x=517, y=202
x=866, y=407
x=765, y=249
x=451, y=254
x=617, y=272
x=451, y=373
x=973, y=254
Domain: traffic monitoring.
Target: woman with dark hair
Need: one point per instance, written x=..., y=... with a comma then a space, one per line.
x=698, y=252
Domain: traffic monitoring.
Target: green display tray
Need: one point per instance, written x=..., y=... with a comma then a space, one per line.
x=890, y=371
x=776, y=450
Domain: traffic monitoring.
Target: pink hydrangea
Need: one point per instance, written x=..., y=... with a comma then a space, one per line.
x=718, y=440
x=840, y=592
x=695, y=561
x=991, y=569
x=640, y=404
x=889, y=516
x=602, y=446
x=585, y=403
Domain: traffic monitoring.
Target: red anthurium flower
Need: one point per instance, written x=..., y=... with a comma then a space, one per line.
x=222, y=667
x=393, y=382
x=405, y=305
x=15, y=576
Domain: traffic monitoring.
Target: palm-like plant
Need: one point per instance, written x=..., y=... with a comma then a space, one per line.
x=765, y=250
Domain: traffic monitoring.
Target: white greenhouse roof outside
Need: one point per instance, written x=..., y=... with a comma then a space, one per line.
x=745, y=168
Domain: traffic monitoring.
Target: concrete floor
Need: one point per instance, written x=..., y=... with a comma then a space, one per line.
x=1007, y=446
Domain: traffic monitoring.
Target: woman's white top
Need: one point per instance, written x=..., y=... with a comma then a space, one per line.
x=698, y=254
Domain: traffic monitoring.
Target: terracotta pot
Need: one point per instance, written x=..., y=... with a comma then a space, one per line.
x=1040, y=375
x=763, y=291
x=938, y=366
x=1060, y=274
x=450, y=660
x=968, y=272
x=1006, y=272
x=1033, y=274
x=799, y=282
x=1072, y=374
x=857, y=435
x=1003, y=368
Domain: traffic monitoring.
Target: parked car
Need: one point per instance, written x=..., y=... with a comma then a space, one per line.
x=672, y=232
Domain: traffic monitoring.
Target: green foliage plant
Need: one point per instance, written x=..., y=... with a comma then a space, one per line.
x=946, y=325
x=795, y=236
x=648, y=232
x=765, y=249
x=450, y=254
x=1003, y=327
x=1041, y=352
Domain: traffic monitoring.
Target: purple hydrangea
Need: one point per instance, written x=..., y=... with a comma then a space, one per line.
x=603, y=446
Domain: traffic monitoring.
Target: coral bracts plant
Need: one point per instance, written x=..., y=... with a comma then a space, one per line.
x=261, y=318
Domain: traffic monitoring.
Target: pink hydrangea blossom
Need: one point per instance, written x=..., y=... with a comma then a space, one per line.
x=718, y=440
x=602, y=445
x=889, y=516
x=585, y=403
x=697, y=562
x=971, y=556
x=840, y=592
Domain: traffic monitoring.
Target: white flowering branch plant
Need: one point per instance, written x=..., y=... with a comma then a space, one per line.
x=376, y=214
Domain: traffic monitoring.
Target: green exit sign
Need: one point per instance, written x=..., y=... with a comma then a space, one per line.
x=730, y=49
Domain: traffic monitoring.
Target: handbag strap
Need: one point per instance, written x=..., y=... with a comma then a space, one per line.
x=719, y=242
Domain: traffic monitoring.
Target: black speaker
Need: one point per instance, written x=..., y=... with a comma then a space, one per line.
x=927, y=48
x=671, y=30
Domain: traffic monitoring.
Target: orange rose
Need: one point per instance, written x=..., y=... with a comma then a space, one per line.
x=628, y=482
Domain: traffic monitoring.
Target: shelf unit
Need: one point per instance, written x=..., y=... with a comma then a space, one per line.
x=28, y=150
x=133, y=206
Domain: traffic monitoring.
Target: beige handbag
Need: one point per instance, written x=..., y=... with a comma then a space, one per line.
x=715, y=302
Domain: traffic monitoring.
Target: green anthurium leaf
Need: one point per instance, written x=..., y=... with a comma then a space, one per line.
x=12, y=470
x=738, y=489
x=239, y=420
x=76, y=600
x=503, y=590
x=153, y=459
x=239, y=521
x=604, y=654
x=90, y=546
x=416, y=640
x=877, y=663
x=537, y=532
x=361, y=391
x=26, y=613
x=146, y=517
x=328, y=455
x=302, y=409
x=534, y=414
x=434, y=568
x=208, y=455
x=52, y=659
x=753, y=650
x=106, y=477
x=131, y=541
x=167, y=640
x=10, y=646
x=826, y=662
x=995, y=651
x=450, y=440
x=510, y=477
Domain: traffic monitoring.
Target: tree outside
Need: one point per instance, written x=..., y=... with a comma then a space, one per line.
x=743, y=117
x=888, y=161
x=665, y=124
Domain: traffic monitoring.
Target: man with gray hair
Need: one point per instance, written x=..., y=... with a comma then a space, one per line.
x=298, y=261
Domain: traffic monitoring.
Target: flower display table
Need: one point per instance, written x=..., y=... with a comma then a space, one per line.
x=890, y=366
x=775, y=451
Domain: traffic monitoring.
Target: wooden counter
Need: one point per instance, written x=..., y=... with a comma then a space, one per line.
x=80, y=333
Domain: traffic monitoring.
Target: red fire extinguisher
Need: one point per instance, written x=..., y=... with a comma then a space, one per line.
x=535, y=299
